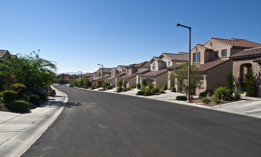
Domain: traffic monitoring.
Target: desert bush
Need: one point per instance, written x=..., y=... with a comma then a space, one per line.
x=52, y=92
x=147, y=92
x=165, y=86
x=182, y=98
x=138, y=86
x=19, y=106
x=173, y=89
x=120, y=89
x=9, y=96
x=236, y=96
x=109, y=87
x=155, y=90
x=34, y=99
x=140, y=92
x=20, y=89
x=205, y=100
x=223, y=93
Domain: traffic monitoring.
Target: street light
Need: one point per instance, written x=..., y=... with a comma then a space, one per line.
x=189, y=66
x=101, y=73
x=80, y=76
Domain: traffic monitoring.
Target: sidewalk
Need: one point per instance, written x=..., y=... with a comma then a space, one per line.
x=19, y=131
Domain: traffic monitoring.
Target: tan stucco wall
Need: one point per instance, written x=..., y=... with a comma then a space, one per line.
x=218, y=46
x=161, y=80
x=237, y=63
x=158, y=65
x=131, y=82
x=216, y=77
x=195, y=50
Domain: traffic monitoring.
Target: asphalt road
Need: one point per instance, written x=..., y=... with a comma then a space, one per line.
x=96, y=124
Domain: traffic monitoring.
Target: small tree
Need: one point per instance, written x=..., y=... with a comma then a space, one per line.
x=230, y=81
x=250, y=80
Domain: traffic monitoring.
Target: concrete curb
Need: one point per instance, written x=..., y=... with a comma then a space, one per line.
x=23, y=139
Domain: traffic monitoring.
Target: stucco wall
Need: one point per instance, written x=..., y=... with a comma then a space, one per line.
x=216, y=77
x=237, y=63
x=218, y=46
x=161, y=80
x=131, y=82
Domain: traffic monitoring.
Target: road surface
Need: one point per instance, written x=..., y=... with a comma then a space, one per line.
x=97, y=124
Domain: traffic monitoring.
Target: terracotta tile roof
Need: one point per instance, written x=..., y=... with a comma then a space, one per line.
x=253, y=52
x=154, y=73
x=174, y=66
x=201, y=45
x=106, y=70
x=142, y=71
x=120, y=75
x=2, y=53
x=156, y=59
x=142, y=64
x=258, y=60
x=212, y=64
x=182, y=56
x=242, y=43
x=126, y=77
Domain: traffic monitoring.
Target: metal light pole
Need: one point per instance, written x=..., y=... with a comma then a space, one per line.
x=189, y=61
x=80, y=76
x=101, y=73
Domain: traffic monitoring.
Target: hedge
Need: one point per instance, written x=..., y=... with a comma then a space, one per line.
x=19, y=106
x=9, y=96
x=182, y=98
x=34, y=99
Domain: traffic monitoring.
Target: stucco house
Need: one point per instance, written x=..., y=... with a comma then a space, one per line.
x=242, y=62
x=100, y=75
x=115, y=73
x=4, y=54
x=212, y=60
x=133, y=74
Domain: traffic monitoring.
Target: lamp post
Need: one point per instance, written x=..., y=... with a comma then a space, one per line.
x=101, y=73
x=80, y=76
x=189, y=66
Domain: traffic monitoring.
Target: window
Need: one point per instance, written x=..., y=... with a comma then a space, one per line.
x=153, y=66
x=224, y=53
x=196, y=57
x=168, y=64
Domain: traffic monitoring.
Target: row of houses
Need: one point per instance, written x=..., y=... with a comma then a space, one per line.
x=213, y=60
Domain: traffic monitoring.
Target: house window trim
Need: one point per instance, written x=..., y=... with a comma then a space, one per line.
x=223, y=50
x=196, y=57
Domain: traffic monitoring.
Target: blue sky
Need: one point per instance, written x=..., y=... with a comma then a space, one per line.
x=79, y=34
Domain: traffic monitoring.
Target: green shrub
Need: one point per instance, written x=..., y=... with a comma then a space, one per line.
x=20, y=89
x=34, y=99
x=182, y=98
x=53, y=92
x=237, y=96
x=109, y=87
x=161, y=91
x=43, y=96
x=9, y=96
x=250, y=80
x=140, y=92
x=19, y=106
x=155, y=90
x=216, y=100
x=205, y=100
x=173, y=89
x=138, y=86
x=223, y=93
x=120, y=89
x=147, y=92
x=165, y=86
x=230, y=81
x=1, y=97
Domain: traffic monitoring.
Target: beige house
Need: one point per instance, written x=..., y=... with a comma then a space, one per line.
x=100, y=75
x=116, y=72
x=133, y=74
x=212, y=60
x=172, y=62
x=158, y=73
x=242, y=62
x=4, y=54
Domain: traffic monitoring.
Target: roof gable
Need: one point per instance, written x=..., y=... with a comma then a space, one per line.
x=238, y=43
x=253, y=52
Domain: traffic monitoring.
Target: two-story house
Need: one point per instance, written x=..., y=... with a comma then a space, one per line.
x=212, y=60
x=242, y=62
x=162, y=67
x=133, y=74
x=115, y=73
x=100, y=75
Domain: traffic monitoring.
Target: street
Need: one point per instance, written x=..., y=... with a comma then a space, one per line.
x=97, y=124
